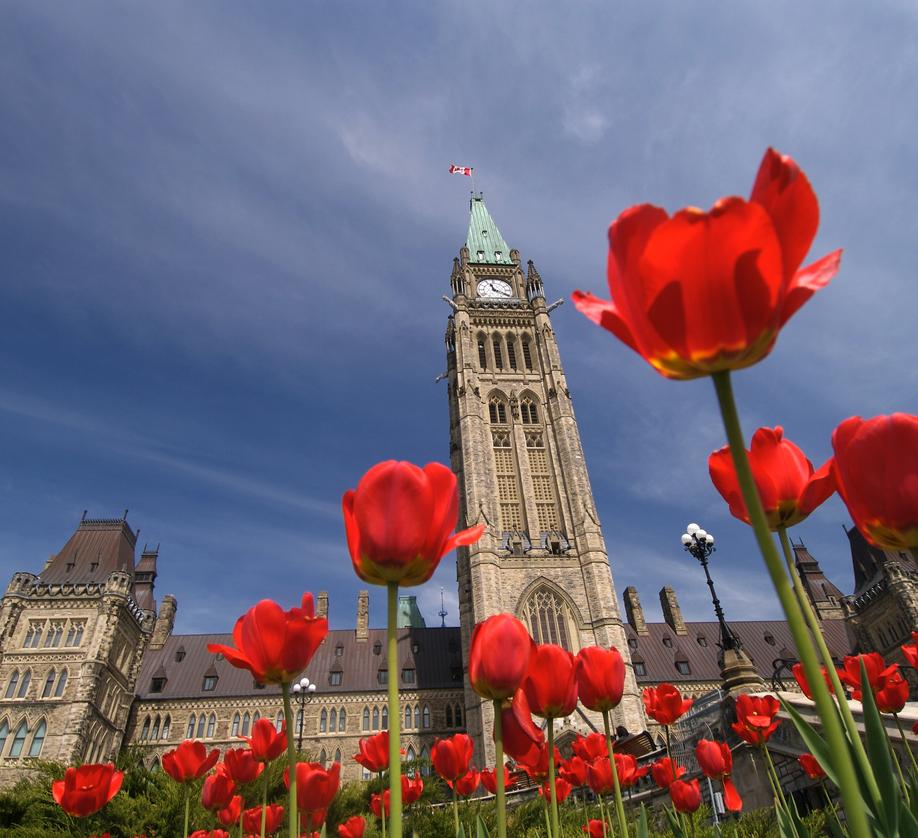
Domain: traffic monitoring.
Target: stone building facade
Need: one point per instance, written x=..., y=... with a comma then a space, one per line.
x=515, y=448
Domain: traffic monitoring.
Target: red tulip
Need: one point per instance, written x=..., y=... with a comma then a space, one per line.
x=562, y=790
x=664, y=704
x=716, y=762
x=374, y=752
x=738, y=263
x=274, y=819
x=273, y=644
x=686, y=795
x=467, y=784
x=86, y=789
x=756, y=718
x=877, y=673
x=599, y=776
x=811, y=765
x=804, y=685
x=666, y=771
x=189, y=761
x=377, y=801
x=353, y=827
x=627, y=769
x=499, y=656
x=594, y=828
x=535, y=762
x=891, y=697
x=229, y=815
x=520, y=734
x=549, y=684
x=600, y=676
x=590, y=747
x=876, y=471
x=411, y=789
x=450, y=757
x=267, y=743
x=217, y=790
x=241, y=765
x=789, y=487
x=316, y=786
x=489, y=779
x=209, y=833
x=574, y=770
x=910, y=650
x=400, y=522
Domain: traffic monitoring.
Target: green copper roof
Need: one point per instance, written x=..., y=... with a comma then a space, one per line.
x=485, y=243
x=409, y=615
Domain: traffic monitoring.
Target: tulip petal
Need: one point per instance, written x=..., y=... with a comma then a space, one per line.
x=445, y=510
x=723, y=476
x=785, y=193
x=819, y=489
x=732, y=799
x=605, y=314
x=807, y=282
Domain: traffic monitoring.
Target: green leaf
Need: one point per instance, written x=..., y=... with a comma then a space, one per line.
x=482, y=829
x=675, y=823
x=461, y=832
x=643, y=830
x=879, y=755
x=817, y=746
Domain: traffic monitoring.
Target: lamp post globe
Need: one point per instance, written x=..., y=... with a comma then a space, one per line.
x=303, y=691
x=699, y=544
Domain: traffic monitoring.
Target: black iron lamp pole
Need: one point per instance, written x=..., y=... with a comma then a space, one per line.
x=303, y=691
x=700, y=544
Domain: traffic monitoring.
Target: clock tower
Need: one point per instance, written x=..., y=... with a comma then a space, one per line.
x=515, y=448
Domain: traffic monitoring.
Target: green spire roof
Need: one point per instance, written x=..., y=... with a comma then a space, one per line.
x=485, y=243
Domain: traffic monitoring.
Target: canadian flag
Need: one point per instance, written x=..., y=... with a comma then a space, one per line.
x=460, y=170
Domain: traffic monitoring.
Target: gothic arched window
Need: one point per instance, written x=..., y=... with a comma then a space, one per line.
x=408, y=717
x=366, y=718
x=417, y=716
x=527, y=352
x=38, y=739
x=19, y=739
x=410, y=755
x=323, y=721
x=166, y=725
x=49, y=684
x=458, y=716
x=323, y=758
x=498, y=355
x=375, y=718
x=337, y=755
x=385, y=717
x=24, y=686
x=189, y=734
x=246, y=721
x=511, y=352
x=234, y=731
x=13, y=682
x=154, y=733
x=528, y=412
x=449, y=716
x=202, y=720
x=497, y=412
x=279, y=721
x=61, y=684
x=549, y=619
x=4, y=734
x=482, y=352
x=342, y=721
x=145, y=730
x=333, y=720
x=426, y=717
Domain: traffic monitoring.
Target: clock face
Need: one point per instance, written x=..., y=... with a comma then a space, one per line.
x=494, y=289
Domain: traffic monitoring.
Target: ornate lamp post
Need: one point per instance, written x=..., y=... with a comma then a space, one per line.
x=700, y=544
x=303, y=691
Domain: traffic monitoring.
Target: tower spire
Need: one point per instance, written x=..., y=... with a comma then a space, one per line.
x=485, y=243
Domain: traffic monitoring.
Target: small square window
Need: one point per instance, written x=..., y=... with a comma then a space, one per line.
x=339, y=650
x=377, y=648
x=157, y=685
x=210, y=683
x=334, y=678
x=639, y=668
x=407, y=676
x=382, y=677
x=415, y=647
x=702, y=640
x=682, y=668
x=668, y=642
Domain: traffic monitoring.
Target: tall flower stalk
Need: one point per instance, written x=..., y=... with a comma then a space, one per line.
x=835, y=738
x=395, y=716
x=293, y=825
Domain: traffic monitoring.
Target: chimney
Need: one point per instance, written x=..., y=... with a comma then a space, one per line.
x=633, y=610
x=363, y=616
x=165, y=620
x=322, y=604
x=671, y=611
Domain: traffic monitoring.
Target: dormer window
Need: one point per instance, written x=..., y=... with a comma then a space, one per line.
x=498, y=255
x=682, y=668
x=484, y=233
x=702, y=640
x=639, y=668
x=180, y=654
x=668, y=642
x=339, y=650
x=382, y=677
x=157, y=684
x=210, y=683
x=769, y=638
x=481, y=256
x=377, y=648
x=415, y=647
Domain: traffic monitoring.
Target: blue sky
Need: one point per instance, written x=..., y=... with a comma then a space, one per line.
x=225, y=229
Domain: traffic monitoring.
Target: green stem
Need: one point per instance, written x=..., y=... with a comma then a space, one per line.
x=395, y=720
x=382, y=804
x=908, y=748
x=602, y=815
x=187, y=805
x=499, y=772
x=894, y=757
x=264, y=801
x=291, y=763
x=773, y=776
x=825, y=706
x=555, y=820
x=547, y=822
x=854, y=736
x=455, y=809
x=619, y=804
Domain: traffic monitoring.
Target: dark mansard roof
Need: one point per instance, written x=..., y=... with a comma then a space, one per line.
x=184, y=661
